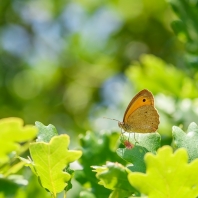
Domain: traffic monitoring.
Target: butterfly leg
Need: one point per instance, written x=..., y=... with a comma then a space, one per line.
x=122, y=136
x=128, y=138
x=135, y=139
x=122, y=132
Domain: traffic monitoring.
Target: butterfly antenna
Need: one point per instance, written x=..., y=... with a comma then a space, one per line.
x=111, y=119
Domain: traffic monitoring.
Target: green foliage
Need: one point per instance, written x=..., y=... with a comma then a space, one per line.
x=49, y=160
x=12, y=134
x=145, y=143
x=150, y=67
x=64, y=61
x=151, y=170
x=10, y=186
x=97, y=149
x=167, y=175
x=186, y=27
x=14, y=140
x=45, y=133
x=114, y=176
x=149, y=167
x=134, y=156
x=188, y=140
x=151, y=141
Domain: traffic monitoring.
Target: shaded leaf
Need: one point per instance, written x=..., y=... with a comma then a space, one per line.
x=97, y=149
x=141, y=144
x=10, y=185
x=114, y=176
x=134, y=156
x=45, y=133
x=187, y=140
x=86, y=194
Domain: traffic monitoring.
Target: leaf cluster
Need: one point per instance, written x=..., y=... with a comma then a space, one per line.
x=159, y=172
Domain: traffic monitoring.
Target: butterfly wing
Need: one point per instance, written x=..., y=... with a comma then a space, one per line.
x=143, y=98
x=145, y=119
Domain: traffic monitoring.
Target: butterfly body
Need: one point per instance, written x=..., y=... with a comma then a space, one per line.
x=141, y=115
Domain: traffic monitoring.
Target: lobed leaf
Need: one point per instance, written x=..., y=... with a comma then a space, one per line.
x=45, y=133
x=137, y=147
x=12, y=134
x=150, y=141
x=188, y=140
x=97, y=149
x=114, y=176
x=152, y=67
x=49, y=161
x=134, y=156
x=168, y=175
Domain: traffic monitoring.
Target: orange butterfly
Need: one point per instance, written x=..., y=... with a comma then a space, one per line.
x=140, y=115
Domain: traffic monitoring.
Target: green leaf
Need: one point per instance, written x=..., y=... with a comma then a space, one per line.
x=134, y=156
x=179, y=28
x=12, y=134
x=150, y=141
x=9, y=186
x=114, y=176
x=45, y=133
x=30, y=163
x=168, y=175
x=14, y=168
x=187, y=31
x=70, y=171
x=152, y=67
x=49, y=160
x=187, y=140
x=136, y=147
x=97, y=149
x=86, y=194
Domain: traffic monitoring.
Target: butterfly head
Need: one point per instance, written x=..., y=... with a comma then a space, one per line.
x=122, y=125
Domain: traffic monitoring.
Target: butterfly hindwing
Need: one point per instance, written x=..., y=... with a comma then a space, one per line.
x=145, y=119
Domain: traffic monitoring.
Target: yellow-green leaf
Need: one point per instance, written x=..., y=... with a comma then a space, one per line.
x=168, y=175
x=49, y=161
x=12, y=133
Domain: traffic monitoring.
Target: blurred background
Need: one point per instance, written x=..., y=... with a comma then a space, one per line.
x=70, y=63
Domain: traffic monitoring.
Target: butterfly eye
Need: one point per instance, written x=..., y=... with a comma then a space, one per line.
x=144, y=100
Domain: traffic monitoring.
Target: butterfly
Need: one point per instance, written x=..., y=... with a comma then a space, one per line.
x=140, y=116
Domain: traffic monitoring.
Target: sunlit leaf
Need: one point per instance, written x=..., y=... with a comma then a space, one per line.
x=165, y=77
x=168, y=174
x=12, y=134
x=14, y=168
x=49, y=160
x=150, y=141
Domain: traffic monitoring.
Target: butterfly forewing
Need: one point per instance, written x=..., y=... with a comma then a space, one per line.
x=141, y=115
x=143, y=98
